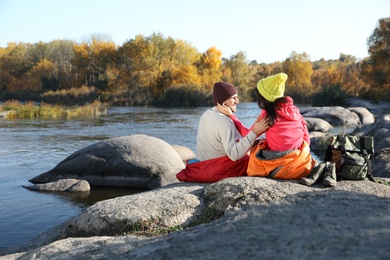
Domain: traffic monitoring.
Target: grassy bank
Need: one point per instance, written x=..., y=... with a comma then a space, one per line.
x=30, y=110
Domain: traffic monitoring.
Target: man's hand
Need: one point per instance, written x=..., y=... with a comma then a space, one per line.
x=224, y=110
x=260, y=126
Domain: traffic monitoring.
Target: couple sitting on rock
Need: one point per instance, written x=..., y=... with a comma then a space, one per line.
x=226, y=148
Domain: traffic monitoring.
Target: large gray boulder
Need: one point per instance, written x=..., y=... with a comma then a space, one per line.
x=381, y=163
x=317, y=124
x=376, y=108
x=379, y=129
x=365, y=116
x=135, y=161
x=171, y=206
x=261, y=218
x=335, y=115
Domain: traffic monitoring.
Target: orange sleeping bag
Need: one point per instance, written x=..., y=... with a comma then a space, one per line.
x=290, y=165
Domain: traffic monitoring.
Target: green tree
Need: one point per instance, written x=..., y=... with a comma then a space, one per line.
x=240, y=73
x=299, y=69
x=376, y=68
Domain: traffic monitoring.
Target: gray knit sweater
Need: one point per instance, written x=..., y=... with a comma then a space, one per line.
x=217, y=137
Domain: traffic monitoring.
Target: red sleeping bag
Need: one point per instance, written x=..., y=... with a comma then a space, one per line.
x=214, y=170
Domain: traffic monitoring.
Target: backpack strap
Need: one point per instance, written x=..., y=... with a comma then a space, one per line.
x=366, y=157
x=368, y=144
x=343, y=156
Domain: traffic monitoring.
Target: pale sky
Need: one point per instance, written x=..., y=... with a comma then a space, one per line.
x=266, y=31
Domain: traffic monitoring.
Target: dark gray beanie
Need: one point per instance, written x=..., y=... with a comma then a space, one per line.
x=223, y=91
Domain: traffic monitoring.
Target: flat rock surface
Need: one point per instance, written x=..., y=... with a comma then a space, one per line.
x=263, y=218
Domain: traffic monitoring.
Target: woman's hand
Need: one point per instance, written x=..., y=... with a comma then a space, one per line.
x=224, y=110
x=260, y=126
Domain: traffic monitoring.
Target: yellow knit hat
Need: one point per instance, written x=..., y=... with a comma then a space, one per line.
x=272, y=87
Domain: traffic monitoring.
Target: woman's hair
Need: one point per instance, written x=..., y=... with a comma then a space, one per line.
x=270, y=107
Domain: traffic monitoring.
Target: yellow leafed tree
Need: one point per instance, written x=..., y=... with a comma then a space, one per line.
x=42, y=69
x=299, y=69
x=187, y=74
x=210, y=67
x=183, y=69
x=92, y=59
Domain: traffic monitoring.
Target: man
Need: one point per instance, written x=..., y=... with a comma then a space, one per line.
x=221, y=151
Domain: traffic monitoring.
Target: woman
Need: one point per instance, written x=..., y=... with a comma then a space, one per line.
x=285, y=151
x=287, y=128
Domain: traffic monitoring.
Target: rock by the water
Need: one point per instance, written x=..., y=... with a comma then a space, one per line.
x=381, y=163
x=335, y=115
x=135, y=161
x=365, y=116
x=185, y=153
x=70, y=185
x=377, y=108
x=317, y=124
x=262, y=218
x=173, y=205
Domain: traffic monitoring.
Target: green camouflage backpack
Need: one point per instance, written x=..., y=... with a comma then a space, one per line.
x=351, y=154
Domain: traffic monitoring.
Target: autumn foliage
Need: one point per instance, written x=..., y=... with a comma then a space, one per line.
x=156, y=70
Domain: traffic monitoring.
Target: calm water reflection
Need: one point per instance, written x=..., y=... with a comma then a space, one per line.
x=31, y=147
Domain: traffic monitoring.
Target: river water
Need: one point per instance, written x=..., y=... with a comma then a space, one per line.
x=31, y=147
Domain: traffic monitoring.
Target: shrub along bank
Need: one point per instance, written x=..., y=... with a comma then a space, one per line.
x=30, y=110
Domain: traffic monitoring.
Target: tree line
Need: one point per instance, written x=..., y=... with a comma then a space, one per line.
x=158, y=70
